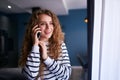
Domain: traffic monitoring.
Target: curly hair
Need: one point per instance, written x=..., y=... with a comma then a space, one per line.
x=54, y=42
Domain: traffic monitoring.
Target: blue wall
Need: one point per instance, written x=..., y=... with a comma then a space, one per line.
x=75, y=33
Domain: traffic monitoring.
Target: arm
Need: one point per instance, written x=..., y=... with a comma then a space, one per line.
x=62, y=70
x=31, y=68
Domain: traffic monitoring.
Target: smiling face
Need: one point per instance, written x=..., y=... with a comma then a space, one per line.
x=46, y=26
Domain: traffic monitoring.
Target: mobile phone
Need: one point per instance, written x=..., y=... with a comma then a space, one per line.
x=38, y=35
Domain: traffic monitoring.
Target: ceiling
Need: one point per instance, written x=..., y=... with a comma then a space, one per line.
x=59, y=7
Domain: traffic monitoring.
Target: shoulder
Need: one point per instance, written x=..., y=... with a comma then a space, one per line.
x=63, y=44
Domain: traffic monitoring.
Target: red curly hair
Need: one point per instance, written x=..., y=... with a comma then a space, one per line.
x=54, y=42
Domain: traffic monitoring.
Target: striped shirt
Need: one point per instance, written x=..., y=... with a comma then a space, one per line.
x=59, y=69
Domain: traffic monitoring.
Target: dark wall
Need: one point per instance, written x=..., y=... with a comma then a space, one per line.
x=9, y=40
x=22, y=23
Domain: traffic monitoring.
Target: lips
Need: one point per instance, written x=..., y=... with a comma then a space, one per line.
x=47, y=32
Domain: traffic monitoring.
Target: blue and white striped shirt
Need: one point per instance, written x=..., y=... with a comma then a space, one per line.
x=59, y=69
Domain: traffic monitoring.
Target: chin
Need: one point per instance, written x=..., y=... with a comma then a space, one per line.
x=48, y=37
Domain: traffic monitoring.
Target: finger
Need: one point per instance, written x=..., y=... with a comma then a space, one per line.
x=35, y=30
x=34, y=27
x=41, y=43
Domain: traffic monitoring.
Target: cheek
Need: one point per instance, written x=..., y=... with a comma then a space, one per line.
x=52, y=28
x=42, y=29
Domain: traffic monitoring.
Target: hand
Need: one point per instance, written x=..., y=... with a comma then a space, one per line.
x=44, y=54
x=35, y=31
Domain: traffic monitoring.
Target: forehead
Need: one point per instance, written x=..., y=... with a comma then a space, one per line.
x=45, y=17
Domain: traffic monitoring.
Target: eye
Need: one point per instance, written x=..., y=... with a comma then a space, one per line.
x=41, y=24
x=51, y=23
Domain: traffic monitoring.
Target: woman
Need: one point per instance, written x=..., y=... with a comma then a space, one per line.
x=44, y=54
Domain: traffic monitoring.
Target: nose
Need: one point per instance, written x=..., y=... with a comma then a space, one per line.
x=47, y=26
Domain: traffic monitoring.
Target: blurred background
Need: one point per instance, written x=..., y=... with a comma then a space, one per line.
x=14, y=15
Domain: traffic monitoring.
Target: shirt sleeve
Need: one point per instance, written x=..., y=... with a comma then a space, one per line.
x=62, y=70
x=31, y=68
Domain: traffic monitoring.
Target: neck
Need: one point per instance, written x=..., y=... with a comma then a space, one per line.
x=44, y=39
